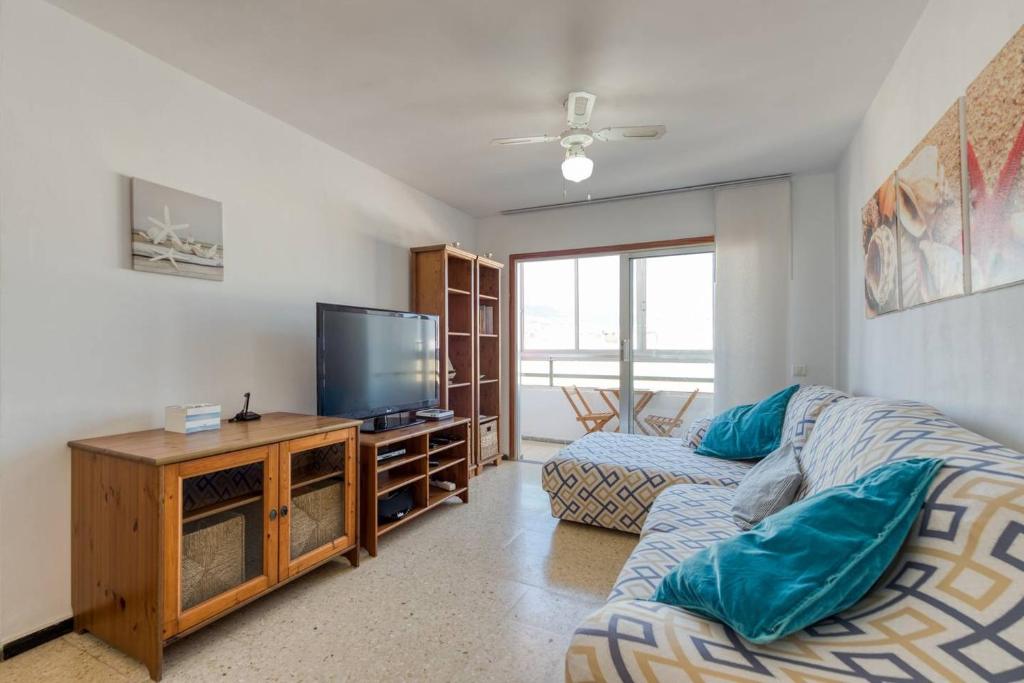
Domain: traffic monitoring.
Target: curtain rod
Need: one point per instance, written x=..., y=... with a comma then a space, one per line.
x=641, y=195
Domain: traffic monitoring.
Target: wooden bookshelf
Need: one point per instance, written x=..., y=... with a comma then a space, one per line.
x=488, y=353
x=464, y=291
x=421, y=462
x=443, y=284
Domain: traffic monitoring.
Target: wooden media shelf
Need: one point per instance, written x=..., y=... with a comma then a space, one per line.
x=412, y=471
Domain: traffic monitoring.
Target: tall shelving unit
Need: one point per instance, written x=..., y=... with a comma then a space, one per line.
x=488, y=353
x=459, y=287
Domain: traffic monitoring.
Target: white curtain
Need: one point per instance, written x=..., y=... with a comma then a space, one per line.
x=753, y=232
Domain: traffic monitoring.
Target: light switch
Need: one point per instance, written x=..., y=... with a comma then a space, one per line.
x=799, y=370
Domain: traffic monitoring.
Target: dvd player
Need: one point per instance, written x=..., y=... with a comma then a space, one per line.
x=435, y=413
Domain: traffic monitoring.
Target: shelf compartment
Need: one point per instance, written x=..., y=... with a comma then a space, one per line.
x=306, y=481
x=390, y=484
x=437, y=496
x=220, y=506
x=398, y=461
x=484, y=419
x=388, y=526
x=445, y=464
x=445, y=447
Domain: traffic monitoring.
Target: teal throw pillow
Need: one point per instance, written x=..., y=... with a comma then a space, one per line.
x=746, y=432
x=815, y=558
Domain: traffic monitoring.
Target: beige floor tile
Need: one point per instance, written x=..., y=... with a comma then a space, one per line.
x=549, y=611
x=517, y=653
x=486, y=592
x=538, y=451
x=56, y=661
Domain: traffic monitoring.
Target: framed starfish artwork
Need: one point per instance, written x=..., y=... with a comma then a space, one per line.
x=175, y=232
x=995, y=150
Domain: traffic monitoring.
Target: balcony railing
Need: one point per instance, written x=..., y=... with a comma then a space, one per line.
x=640, y=358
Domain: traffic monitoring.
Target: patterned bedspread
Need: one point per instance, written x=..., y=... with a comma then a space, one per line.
x=610, y=480
x=684, y=519
x=950, y=608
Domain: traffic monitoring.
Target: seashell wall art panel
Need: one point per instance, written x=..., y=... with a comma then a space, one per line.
x=995, y=146
x=929, y=208
x=881, y=252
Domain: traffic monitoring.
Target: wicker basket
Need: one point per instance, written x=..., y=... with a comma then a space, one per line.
x=488, y=441
x=212, y=557
x=318, y=516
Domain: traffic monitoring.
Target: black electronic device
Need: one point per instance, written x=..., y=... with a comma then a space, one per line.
x=245, y=415
x=395, y=505
x=376, y=365
x=394, y=452
x=438, y=441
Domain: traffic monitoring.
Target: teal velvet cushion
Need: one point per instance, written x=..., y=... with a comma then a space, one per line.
x=751, y=431
x=809, y=561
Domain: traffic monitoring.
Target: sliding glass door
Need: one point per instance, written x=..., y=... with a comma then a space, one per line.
x=667, y=360
x=614, y=343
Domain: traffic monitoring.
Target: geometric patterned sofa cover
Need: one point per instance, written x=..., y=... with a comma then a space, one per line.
x=950, y=608
x=610, y=479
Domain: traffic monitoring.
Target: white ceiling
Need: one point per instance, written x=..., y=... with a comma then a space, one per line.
x=418, y=88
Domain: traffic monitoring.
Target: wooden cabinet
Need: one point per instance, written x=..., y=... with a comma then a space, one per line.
x=171, y=531
x=434, y=452
x=463, y=290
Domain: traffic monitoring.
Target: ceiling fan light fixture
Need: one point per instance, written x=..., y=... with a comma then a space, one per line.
x=577, y=167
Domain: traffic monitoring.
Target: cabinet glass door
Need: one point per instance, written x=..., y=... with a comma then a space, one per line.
x=318, y=499
x=222, y=516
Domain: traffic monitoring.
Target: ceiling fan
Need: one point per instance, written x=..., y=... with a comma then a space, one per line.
x=579, y=106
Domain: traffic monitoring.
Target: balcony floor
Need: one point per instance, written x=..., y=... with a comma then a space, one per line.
x=538, y=451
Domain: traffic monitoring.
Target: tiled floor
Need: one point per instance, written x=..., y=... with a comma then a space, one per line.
x=538, y=451
x=485, y=592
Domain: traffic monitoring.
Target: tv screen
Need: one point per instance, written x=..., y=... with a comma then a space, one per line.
x=372, y=362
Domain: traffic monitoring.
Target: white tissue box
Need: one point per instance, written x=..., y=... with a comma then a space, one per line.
x=192, y=417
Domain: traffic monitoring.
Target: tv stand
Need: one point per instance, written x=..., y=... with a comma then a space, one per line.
x=436, y=451
x=385, y=423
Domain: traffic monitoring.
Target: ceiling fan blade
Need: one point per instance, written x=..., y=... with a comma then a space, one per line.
x=579, y=107
x=630, y=133
x=525, y=141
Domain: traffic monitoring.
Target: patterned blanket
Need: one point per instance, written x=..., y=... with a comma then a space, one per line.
x=950, y=608
x=611, y=480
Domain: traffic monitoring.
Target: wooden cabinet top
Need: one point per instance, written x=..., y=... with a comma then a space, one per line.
x=160, y=447
x=393, y=435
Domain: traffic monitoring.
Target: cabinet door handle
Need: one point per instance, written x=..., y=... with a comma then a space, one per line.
x=284, y=510
x=273, y=514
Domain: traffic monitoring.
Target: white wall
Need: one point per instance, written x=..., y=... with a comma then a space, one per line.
x=87, y=346
x=692, y=214
x=963, y=356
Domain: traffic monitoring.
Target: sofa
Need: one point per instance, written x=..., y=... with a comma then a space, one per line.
x=611, y=480
x=949, y=608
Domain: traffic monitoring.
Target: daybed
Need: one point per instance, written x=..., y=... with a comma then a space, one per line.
x=611, y=480
x=949, y=608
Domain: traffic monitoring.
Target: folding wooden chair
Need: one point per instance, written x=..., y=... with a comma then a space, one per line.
x=664, y=426
x=591, y=421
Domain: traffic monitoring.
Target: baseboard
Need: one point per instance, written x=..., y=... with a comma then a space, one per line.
x=36, y=638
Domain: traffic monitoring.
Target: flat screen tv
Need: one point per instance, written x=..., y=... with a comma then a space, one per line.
x=373, y=363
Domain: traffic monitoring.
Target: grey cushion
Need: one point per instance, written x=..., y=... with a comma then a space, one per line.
x=696, y=431
x=768, y=487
